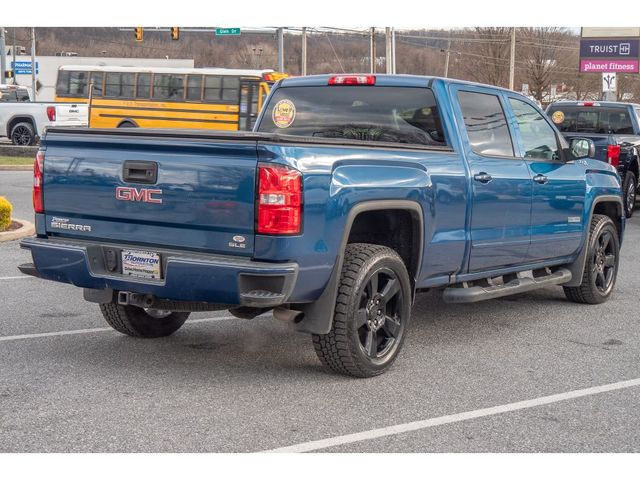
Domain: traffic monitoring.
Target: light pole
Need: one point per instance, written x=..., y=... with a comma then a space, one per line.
x=3, y=56
x=33, y=62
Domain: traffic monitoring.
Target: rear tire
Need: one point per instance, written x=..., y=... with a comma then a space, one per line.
x=372, y=313
x=630, y=189
x=127, y=125
x=601, y=264
x=138, y=322
x=23, y=134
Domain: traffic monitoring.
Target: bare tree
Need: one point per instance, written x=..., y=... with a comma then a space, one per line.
x=486, y=55
x=542, y=56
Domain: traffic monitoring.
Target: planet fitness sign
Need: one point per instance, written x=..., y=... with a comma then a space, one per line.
x=611, y=51
x=624, y=66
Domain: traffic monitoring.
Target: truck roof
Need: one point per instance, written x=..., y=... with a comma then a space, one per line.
x=576, y=103
x=382, y=79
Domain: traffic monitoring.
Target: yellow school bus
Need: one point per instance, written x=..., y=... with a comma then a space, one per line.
x=150, y=97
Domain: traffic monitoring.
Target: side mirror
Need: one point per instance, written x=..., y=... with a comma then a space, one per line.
x=582, y=148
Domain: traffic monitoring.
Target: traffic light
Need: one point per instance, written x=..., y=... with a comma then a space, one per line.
x=8, y=74
x=175, y=33
x=138, y=31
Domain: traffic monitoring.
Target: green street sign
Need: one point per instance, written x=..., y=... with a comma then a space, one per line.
x=227, y=31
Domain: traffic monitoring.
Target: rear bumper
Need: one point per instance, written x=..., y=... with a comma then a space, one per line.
x=187, y=276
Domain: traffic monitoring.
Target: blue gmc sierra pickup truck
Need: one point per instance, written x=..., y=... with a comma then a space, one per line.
x=352, y=194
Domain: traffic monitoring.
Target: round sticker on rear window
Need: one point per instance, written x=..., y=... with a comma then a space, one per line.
x=283, y=113
x=557, y=117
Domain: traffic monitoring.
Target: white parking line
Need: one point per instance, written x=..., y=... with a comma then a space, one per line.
x=447, y=419
x=29, y=336
x=18, y=277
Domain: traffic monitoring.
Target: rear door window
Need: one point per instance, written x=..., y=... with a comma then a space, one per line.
x=407, y=115
x=486, y=124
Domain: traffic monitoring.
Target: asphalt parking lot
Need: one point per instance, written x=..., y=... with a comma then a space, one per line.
x=70, y=384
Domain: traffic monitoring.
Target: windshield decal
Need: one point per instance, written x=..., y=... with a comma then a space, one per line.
x=284, y=112
x=558, y=116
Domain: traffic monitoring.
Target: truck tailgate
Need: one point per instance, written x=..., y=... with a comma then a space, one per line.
x=151, y=188
x=71, y=113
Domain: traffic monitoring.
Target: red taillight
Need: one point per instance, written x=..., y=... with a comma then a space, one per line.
x=38, y=181
x=279, y=200
x=352, y=80
x=613, y=155
x=51, y=114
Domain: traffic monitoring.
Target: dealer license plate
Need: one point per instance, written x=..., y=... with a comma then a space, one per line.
x=139, y=263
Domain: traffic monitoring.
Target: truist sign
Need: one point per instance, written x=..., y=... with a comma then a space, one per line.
x=609, y=50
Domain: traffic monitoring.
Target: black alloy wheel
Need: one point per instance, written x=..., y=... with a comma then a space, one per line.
x=600, y=263
x=604, y=262
x=631, y=188
x=371, y=315
x=22, y=135
x=379, y=319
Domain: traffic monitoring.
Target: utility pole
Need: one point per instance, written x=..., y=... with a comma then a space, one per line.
x=33, y=62
x=280, y=49
x=446, y=59
x=13, y=54
x=512, y=60
x=387, y=54
x=3, y=57
x=393, y=50
x=304, y=51
x=372, y=50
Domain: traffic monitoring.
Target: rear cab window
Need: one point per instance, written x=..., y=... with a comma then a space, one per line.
x=13, y=95
x=402, y=115
x=486, y=124
x=591, y=119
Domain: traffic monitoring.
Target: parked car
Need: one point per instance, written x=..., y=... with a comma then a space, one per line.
x=614, y=128
x=353, y=194
x=24, y=122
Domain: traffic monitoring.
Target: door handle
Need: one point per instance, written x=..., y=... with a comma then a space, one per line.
x=542, y=179
x=482, y=177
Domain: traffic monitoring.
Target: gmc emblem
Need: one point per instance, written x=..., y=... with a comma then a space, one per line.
x=132, y=194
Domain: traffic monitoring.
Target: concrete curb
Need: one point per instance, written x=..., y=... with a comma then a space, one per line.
x=25, y=230
x=15, y=151
x=16, y=168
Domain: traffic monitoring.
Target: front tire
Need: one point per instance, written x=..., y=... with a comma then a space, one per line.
x=140, y=322
x=630, y=189
x=372, y=313
x=601, y=264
